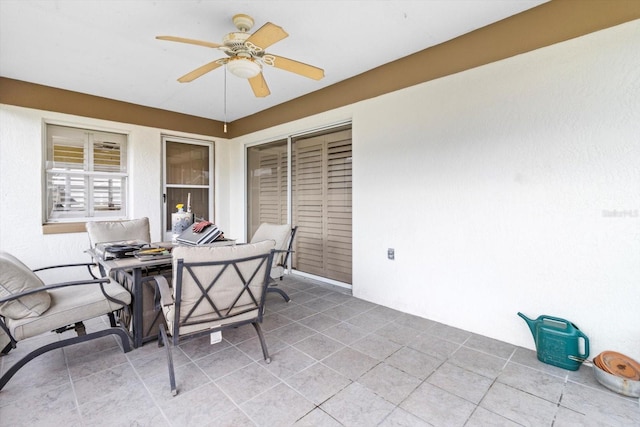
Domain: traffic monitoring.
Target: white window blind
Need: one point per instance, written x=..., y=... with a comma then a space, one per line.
x=86, y=174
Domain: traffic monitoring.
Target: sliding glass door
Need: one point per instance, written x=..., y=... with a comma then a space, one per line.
x=315, y=196
x=321, y=204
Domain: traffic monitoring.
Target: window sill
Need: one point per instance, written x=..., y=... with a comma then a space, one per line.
x=66, y=227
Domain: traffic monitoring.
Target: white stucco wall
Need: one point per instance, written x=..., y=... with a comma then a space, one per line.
x=499, y=188
x=510, y=187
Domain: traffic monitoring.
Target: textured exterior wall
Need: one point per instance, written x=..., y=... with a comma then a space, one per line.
x=511, y=187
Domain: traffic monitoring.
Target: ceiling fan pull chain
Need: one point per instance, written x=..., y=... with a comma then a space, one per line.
x=224, y=128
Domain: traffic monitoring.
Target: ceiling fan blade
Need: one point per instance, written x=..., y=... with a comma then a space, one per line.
x=287, y=64
x=266, y=35
x=190, y=41
x=202, y=70
x=259, y=86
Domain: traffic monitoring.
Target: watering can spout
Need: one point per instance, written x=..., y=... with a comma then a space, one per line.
x=530, y=323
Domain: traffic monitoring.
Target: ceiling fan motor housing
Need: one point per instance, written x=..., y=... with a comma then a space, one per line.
x=235, y=41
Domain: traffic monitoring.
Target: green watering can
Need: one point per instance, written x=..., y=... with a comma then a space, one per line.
x=558, y=341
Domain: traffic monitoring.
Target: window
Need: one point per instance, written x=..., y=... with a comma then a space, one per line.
x=86, y=175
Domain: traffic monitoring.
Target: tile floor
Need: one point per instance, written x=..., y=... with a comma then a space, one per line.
x=336, y=360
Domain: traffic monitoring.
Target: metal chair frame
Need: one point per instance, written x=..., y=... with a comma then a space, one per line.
x=115, y=329
x=217, y=313
x=273, y=284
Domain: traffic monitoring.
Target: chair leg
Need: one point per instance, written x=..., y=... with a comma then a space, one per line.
x=80, y=329
x=112, y=320
x=162, y=340
x=59, y=344
x=279, y=291
x=263, y=343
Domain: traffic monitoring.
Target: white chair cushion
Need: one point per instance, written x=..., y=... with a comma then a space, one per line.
x=114, y=231
x=278, y=233
x=15, y=277
x=226, y=288
x=70, y=305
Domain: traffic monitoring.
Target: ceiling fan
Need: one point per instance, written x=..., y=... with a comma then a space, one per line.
x=246, y=55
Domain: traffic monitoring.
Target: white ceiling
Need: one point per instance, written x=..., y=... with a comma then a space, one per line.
x=108, y=48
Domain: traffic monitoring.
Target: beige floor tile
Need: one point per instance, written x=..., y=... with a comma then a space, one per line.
x=438, y=407
x=357, y=406
x=277, y=406
x=318, y=383
x=461, y=382
x=246, y=383
x=350, y=363
x=389, y=383
x=519, y=406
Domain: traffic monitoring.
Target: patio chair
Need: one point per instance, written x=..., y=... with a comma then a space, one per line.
x=283, y=236
x=130, y=230
x=116, y=231
x=215, y=288
x=112, y=231
x=29, y=308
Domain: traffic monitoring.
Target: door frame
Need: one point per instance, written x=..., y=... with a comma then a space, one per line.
x=166, y=235
x=289, y=138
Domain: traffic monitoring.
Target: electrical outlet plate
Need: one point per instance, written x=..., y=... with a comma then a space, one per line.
x=391, y=253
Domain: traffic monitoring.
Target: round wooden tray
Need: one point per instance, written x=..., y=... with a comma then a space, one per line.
x=619, y=365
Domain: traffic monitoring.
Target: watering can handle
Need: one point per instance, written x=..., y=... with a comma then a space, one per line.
x=557, y=319
x=577, y=330
x=586, y=345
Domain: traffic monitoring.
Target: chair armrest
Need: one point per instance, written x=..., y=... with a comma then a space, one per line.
x=166, y=296
x=283, y=260
x=81, y=264
x=89, y=265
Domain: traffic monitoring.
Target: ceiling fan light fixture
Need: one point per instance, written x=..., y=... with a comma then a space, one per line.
x=245, y=68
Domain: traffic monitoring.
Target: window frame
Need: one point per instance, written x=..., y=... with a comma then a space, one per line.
x=89, y=137
x=168, y=207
